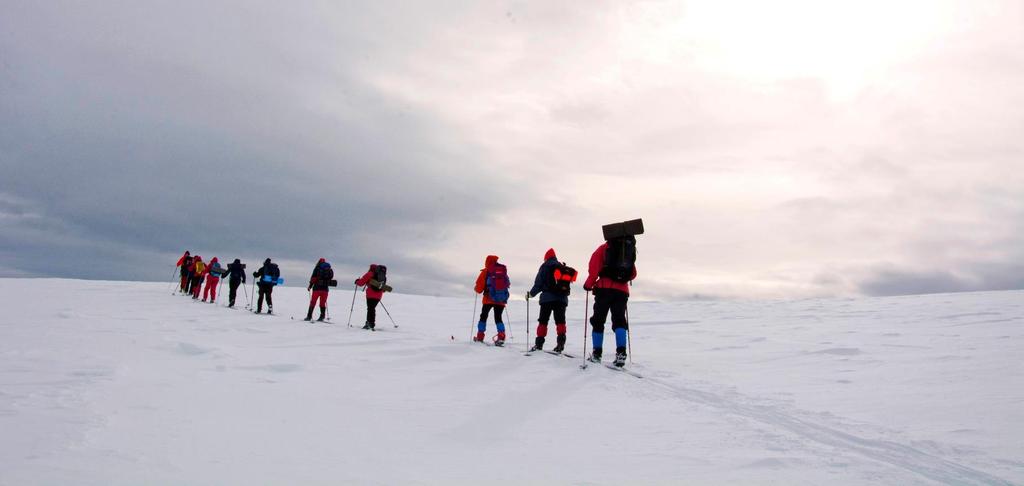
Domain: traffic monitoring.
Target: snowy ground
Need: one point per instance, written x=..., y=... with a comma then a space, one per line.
x=123, y=383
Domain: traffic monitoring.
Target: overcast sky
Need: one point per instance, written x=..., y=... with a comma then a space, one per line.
x=774, y=149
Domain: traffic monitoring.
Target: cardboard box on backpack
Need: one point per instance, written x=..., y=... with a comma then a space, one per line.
x=626, y=228
x=378, y=286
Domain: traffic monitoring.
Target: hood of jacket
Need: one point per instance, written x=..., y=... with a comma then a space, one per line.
x=490, y=260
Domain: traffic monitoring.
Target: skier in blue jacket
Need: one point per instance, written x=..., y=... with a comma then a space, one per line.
x=552, y=301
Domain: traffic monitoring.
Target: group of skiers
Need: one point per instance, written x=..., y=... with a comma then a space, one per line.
x=611, y=270
x=194, y=272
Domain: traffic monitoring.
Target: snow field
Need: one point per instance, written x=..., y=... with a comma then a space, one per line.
x=123, y=383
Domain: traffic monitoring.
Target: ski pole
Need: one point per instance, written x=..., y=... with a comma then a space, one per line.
x=173, y=279
x=248, y=303
x=252, y=307
x=586, y=313
x=389, y=314
x=353, y=307
x=510, y=320
x=629, y=338
x=472, y=322
x=220, y=286
x=527, y=323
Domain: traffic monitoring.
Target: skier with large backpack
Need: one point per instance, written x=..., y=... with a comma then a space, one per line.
x=612, y=268
x=552, y=283
x=213, y=273
x=375, y=280
x=236, y=277
x=183, y=264
x=320, y=283
x=267, y=276
x=198, y=271
x=493, y=283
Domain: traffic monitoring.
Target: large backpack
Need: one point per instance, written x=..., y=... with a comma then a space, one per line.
x=380, y=277
x=200, y=266
x=619, y=259
x=561, y=278
x=497, y=283
x=324, y=275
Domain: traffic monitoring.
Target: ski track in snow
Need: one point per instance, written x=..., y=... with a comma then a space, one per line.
x=710, y=407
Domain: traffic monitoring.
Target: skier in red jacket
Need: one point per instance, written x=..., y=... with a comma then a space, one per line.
x=375, y=280
x=612, y=268
x=494, y=284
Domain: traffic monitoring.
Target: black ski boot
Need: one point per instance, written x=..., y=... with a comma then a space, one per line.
x=538, y=344
x=595, y=356
x=270, y=309
x=560, y=346
x=309, y=315
x=366, y=326
x=620, y=357
x=323, y=313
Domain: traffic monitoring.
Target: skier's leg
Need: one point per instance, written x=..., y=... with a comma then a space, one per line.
x=619, y=323
x=371, y=312
x=602, y=304
x=498, y=309
x=559, y=311
x=481, y=326
x=542, y=325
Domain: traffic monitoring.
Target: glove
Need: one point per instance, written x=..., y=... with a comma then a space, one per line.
x=255, y=274
x=588, y=289
x=528, y=296
x=356, y=282
x=309, y=288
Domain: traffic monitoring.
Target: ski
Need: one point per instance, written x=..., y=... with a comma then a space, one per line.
x=567, y=355
x=623, y=370
x=614, y=368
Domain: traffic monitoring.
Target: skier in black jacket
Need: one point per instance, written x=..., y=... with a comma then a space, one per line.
x=236, y=277
x=267, y=276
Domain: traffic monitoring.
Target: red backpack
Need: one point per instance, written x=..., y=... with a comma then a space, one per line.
x=497, y=283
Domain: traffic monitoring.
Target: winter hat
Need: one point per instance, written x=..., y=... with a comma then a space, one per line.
x=266, y=262
x=237, y=261
x=550, y=254
x=215, y=260
x=321, y=261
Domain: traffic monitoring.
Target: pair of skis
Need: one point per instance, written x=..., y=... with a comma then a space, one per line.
x=588, y=363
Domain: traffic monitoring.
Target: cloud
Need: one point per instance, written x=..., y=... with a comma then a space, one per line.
x=426, y=136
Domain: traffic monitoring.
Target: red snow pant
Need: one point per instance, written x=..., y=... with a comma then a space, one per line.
x=320, y=295
x=211, y=288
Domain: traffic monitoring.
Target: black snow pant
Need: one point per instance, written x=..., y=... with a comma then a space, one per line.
x=265, y=291
x=546, y=310
x=497, y=312
x=371, y=311
x=610, y=300
x=233, y=290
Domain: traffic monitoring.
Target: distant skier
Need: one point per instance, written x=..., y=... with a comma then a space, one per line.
x=493, y=283
x=213, y=273
x=267, y=275
x=183, y=264
x=552, y=283
x=198, y=271
x=320, y=284
x=236, y=277
x=375, y=280
x=612, y=268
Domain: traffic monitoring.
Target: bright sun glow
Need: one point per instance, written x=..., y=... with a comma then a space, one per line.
x=846, y=44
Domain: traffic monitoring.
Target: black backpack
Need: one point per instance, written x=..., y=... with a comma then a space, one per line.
x=324, y=275
x=380, y=275
x=619, y=259
x=273, y=271
x=561, y=279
